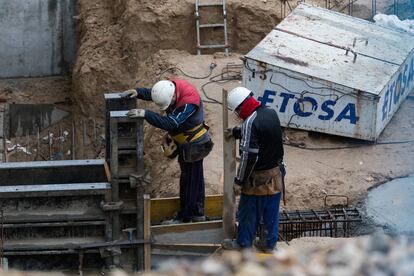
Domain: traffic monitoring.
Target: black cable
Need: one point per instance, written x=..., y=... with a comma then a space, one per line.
x=247, y=66
x=229, y=78
x=187, y=75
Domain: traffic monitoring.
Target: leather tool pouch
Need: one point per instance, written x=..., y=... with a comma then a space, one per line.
x=193, y=152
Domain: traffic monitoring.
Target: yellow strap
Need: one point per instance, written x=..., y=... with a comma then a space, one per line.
x=181, y=138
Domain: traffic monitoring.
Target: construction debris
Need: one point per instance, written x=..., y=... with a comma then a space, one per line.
x=375, y=255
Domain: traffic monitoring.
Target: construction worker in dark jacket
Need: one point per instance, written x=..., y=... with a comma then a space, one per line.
x=184, y=122
x=259, y=172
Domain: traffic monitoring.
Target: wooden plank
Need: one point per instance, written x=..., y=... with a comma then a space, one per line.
x=185, y=227
x=201, y=232
x=204, y=248
x=164, y=208
x=229, y=166
x=107, y=172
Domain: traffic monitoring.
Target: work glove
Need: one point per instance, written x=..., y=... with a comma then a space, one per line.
x=136, y=113
x=236, y=132
x=131, y=93
x=239, y=182
x=228, y=133
x=236, y=190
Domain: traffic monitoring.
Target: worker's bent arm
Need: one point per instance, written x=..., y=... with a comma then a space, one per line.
x=173, y=120
x=144, y=93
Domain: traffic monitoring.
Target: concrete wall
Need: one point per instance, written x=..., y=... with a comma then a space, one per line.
x=37, y=37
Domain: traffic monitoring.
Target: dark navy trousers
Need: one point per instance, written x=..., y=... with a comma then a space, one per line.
x=192, y=191
x=251, y=212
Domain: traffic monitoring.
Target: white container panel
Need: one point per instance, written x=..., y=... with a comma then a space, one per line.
x=312, y=104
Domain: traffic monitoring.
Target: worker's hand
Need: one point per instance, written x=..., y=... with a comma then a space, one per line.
x=228, y=133
x=136, y=113
x=236, y=190
x=239, y=182
x=131, y=93
x=236, y=132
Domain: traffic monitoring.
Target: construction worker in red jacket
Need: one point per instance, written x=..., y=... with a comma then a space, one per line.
x=260, y=171
x=184, y=122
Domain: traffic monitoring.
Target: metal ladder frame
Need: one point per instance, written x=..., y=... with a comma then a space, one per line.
x=224, y=25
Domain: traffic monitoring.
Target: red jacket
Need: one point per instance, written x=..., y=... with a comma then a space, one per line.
x=186, y=93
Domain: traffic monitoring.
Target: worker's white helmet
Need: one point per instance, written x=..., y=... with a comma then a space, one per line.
x=237, y=96
x=162, y=93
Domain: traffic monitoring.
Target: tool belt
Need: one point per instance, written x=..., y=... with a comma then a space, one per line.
x=266, y=182
x=191, y=135
x=194, y=144
x=259, y=178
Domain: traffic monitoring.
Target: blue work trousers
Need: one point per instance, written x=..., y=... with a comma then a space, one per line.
x=254, y=210
x=192, y=191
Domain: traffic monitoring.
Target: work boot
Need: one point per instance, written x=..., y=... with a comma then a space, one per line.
x=172, y=221
x=175, y=220
x=262, y=247
x=229, y=244
x=198, y=218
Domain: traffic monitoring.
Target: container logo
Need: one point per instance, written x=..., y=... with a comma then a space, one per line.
x=400, y=86
x=324, y=111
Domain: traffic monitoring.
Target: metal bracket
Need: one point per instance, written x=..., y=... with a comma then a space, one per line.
x=112, y=206
x=110, y=251
x=144, y=178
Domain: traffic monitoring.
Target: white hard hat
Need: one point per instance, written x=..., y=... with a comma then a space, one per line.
x=237, y=96
x=162, y=93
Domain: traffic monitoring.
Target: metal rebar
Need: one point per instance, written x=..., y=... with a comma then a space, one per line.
x=37, y=143
x=73, y=140
x=16, y=148
x=61, y=154
x=332, y=222
x=50, y=144
x=83, y=139
x=95, y=143
x=27, y=147
x=2, y=238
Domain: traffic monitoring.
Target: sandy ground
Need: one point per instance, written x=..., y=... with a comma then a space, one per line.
x=311, y=173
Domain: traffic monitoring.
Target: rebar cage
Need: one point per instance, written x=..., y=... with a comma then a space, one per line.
x=324, y=223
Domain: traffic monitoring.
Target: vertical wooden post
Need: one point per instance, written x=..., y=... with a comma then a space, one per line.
x=147, y=232
x=229, y=166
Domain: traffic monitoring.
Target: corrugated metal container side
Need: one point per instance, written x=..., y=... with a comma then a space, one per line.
x=329, y=72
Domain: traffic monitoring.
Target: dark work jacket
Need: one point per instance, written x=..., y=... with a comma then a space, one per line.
x=261, y=146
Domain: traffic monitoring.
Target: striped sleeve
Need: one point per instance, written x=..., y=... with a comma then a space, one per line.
x=249, y=149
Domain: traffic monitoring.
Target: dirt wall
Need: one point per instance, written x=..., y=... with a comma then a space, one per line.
x=118, y=36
